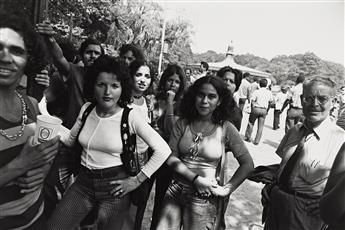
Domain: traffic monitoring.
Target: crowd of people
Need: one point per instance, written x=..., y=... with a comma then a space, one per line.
x=182, y=130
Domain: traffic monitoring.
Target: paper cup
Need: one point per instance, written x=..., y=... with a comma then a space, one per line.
x=47, y=127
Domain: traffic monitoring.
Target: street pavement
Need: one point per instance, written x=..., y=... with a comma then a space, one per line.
x=244, y=209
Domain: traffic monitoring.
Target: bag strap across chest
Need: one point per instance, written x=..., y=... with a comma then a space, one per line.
x=128, y=145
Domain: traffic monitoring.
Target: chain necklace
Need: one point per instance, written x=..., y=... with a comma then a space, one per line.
x=199, y=136
x=24, y=119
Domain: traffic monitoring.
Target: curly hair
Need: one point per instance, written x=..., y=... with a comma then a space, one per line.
x=108, y=64
x=237, y=73
x=36, y=50
x=86, y=43
x=137, y=52
x=133, y=68
x=226, y=111
x=168, y=72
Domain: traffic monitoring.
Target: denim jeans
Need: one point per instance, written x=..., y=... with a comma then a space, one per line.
x=92, y=190
x=260, y=114
x=183, y=207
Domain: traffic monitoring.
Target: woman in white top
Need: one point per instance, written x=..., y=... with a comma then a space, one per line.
x=142, y=102
x=102, y=182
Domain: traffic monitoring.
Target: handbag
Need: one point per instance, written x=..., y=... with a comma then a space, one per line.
x=77, y=148
x=133, y=162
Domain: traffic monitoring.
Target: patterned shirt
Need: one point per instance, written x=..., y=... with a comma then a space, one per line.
x=18, y=210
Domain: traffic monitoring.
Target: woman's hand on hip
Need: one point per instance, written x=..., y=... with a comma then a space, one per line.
x=205, y=185
x=124, y=186
x=222, y=190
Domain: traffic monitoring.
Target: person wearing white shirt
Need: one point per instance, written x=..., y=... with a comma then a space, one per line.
x=103, y=183
x=279, y=99
x=244, y=90
x=294, y=113
x=308, y=152
x=261, y=100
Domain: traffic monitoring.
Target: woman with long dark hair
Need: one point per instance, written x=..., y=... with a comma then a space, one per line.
x=200, y=141
x=169, y=92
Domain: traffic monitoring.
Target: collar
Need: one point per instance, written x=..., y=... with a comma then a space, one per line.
x=322, y=130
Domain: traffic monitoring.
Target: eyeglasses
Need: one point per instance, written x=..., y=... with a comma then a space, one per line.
x=320, y=99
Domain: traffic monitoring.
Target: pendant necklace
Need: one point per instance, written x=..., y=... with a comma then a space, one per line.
x=199, y=136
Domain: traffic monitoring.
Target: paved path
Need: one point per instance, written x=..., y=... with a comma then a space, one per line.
x=244, y=210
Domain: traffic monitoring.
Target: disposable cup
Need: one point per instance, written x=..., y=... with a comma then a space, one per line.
x=47, y=127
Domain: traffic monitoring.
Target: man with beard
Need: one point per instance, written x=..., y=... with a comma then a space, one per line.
x=73, y=74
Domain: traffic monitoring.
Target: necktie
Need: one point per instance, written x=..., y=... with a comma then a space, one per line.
x=290, y=164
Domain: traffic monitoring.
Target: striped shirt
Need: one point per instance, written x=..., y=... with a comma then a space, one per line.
x=18, y=210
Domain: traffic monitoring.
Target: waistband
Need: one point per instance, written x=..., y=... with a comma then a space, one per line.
x=298, y=194
x=256, y=107
x=103, y=173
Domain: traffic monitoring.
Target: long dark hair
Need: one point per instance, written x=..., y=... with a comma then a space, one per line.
x=133, y=68
x=169, y=71
x=108, y=64
x=226, y=111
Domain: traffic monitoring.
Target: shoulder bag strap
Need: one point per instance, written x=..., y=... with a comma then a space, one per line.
x=128, y=145
x=84, y=117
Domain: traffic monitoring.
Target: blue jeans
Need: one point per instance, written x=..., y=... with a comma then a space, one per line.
x=260, y=115
x=183, y=207
x=91, y=190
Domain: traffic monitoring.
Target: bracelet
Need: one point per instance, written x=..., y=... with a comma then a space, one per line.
x=140, y=182
x=196, y=176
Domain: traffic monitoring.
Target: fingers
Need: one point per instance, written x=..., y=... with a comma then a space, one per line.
x=31, y=179
x=30, y=190
x=115, y=182
x=45, y=29
x=49, y=143
x=118, y=191
x=43, y=78
x=47, y=151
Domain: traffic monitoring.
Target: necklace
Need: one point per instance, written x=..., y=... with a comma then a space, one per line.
x=199, y=136
x=137, y=97
x=14, y=137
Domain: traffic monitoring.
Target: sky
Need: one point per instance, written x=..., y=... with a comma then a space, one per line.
x=264, y=28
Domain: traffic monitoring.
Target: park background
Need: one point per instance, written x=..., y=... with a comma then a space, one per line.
x=283, y=38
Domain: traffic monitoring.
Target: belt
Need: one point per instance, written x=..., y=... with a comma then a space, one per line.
x=103, y=173
x=293, y=107
x=298, y=194
x=259, y=107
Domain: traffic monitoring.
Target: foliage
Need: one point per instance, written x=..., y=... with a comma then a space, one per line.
x=114, y=23
x=285, y=68
x=209, y=56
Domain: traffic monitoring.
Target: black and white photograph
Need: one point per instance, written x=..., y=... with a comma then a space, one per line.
x=172, y=115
